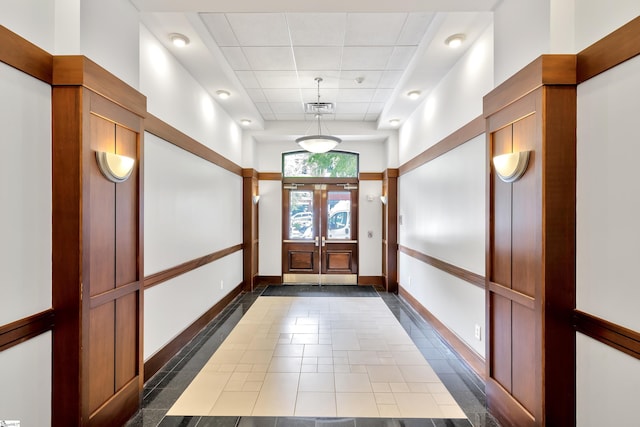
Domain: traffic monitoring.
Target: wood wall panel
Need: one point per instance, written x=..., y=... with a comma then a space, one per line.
x=526, y=212
x=126, y=340
x=525, y=369
x=500, y=344
x=126, y=212
x=501, y=215
x=101, y=227
x=101, y=355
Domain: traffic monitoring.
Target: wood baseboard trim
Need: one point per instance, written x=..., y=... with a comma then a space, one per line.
x=21, y=330
x=473, y=359
x=268, y=280
x=377, y=281
x=162, y=356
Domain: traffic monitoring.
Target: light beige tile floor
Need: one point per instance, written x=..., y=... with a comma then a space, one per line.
x=321, y=357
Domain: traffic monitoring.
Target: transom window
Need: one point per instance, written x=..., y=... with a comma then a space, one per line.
x=333, y=164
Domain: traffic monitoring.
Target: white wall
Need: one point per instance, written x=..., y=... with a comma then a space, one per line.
x=25, y=245
x=608, y=240
x=442, y=203
x=453, y=103
x=595, y=19
x=370, y=220
x=192, y=207
x=31, y=19
x=174, y=305
x=607, y=383
x=175, y=97
x=270, y=228
x=25, y=375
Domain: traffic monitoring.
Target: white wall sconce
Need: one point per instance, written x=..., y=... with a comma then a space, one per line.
x=255, y=199
x=511, y=166
x=383, y=199
x=114, y=167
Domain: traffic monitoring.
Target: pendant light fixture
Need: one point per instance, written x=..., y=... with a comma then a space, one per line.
x=318, y=143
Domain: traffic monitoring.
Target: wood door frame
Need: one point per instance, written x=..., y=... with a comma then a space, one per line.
x=319, y=260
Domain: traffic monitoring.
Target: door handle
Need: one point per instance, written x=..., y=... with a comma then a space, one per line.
x=317, y=243
x=324, y=242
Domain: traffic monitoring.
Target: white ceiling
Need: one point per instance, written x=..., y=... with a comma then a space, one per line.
x=267, y=53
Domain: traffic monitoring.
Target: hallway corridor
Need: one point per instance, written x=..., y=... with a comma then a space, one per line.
x=325, y=355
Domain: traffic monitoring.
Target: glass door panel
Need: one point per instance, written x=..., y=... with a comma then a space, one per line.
x=301, y=215
x=339, y=215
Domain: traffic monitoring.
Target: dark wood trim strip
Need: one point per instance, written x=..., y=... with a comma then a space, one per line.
x=545, y=70
x=269, y=176
x=77, y=70
x=505, y=408
x=466, y=133
x=114, y=294
x=370, y=176
x=185, y=267
x=371, y=281
x=21, y=330
x=460, y=273
x=23, y=55
x=469, y=355
x=268, y=280
x=162, y=356
x=172, y=135
x=510, y=294
x=611, y=334
x=612, y=50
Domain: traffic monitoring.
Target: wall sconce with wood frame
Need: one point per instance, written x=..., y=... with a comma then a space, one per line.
x=114, y=167
x=511, y=166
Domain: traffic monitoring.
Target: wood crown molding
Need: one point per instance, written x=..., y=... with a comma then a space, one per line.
x=390, y=173
x=165, y=131
x=185, y=267
x=469, y=355
x=545, y=70
x=249, y=173
x=21, y=330
x=474, y=128
x=608, y=333
x=76, y=70
x=23, y=55
x=612, y=50
x=460, y=273
x=370, y=176
x=270, y=176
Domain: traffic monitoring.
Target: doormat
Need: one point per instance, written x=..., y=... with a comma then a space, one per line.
x=305, y=290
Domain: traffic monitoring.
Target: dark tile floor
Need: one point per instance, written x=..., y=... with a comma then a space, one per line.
x=161, y=391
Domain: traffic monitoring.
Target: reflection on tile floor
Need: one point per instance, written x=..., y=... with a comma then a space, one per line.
x=458, y=383
x=318, y=357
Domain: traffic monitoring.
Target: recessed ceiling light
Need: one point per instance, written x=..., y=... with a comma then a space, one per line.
x=223, y=94
x=414, y=94
x=455, y=40
x=245, y=122
x=179, y=40
x=394, y=122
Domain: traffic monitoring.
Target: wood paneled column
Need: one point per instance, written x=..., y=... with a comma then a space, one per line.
x=390, y=230
x=249, y=227
x=530, y=268
x=97, y=248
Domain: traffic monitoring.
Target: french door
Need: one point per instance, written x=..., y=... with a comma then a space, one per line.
x=320, y=233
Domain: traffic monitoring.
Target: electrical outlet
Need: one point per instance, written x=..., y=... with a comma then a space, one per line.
x=478, y=333
x=221, y=284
